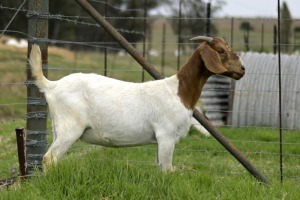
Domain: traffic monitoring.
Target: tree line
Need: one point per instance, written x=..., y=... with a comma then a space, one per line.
x=125, y=15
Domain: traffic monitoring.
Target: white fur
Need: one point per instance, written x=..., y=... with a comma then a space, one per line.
x=112, y=113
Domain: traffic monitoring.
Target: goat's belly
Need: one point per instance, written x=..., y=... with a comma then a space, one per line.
x=118, y=138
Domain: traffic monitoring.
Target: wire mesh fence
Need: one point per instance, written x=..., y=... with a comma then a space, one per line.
x=163, y=46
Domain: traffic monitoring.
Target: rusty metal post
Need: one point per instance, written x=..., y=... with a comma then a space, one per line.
x=21, y=150
x=36, y=118
x=154, y=73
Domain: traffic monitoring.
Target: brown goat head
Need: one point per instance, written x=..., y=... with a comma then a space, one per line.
x=219, y=58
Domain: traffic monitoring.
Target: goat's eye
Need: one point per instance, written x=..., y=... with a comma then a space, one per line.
x=222, y=51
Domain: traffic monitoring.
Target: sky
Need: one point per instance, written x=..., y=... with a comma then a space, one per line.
x=256, y=8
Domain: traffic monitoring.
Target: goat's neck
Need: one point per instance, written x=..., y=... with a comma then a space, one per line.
x=192, y=77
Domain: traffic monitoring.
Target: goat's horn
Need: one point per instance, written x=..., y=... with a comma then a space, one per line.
x=203, y=38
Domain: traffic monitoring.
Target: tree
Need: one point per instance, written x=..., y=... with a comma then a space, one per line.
x=125, y=16
x=194, y=17
x=296, y=38
x=20, y=21
x=285, y=30
x=246, y=27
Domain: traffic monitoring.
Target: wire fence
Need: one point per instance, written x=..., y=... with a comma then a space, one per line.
x=163, y=47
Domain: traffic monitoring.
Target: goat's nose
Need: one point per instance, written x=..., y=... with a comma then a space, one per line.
x=243, y=68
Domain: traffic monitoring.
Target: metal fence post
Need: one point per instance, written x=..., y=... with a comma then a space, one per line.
x=144, y=36
x=179, y=36
x=36, y=117
x=231, y=32
x=105, y=38
x=274, y=39
x=21, y=150
x=163, y=49
x=208, y=19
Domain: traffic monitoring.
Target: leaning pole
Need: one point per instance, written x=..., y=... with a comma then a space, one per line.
x=155, y=74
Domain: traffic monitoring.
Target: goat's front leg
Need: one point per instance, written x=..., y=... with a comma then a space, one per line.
x=165, y=153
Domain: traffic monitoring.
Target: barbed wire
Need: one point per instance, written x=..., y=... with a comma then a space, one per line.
x=83, y=20
x=206, y=150
x=67, y=17
x=103, y=45
x=17, y=11
x=206, y=89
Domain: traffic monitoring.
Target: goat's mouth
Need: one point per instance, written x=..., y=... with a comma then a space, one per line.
x=234, y=75
x=238, y=76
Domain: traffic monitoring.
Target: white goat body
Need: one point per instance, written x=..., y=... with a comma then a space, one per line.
x=109, y=112
x=114, y=113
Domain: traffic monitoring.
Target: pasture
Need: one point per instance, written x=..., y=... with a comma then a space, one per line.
x=204, y=170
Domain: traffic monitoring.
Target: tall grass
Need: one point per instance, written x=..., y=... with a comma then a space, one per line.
x=204, y=170
x=106, y=179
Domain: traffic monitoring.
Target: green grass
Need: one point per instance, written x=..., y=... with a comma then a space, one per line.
x=204, y=170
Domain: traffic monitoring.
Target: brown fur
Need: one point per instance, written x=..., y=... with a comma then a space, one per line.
x=208, y=59
x=192, y=76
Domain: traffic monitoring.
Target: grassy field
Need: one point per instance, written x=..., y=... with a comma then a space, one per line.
x=204, y=170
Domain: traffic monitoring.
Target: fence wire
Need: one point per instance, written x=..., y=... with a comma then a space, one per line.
x=77, y=20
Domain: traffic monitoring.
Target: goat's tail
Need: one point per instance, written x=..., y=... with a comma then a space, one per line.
x=35, y=61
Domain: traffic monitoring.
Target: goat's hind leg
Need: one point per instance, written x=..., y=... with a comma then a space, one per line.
x=64, y=137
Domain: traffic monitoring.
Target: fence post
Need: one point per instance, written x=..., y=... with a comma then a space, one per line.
x=105, y=39
x=144, y=36
x=279, y=92
x=21, y=150
x=231, y=32
x=179, y=36
x=230, y=102
x=262, y=37
x=208, y=19
x=275, y=39
x=163, y=49
x=36, y=117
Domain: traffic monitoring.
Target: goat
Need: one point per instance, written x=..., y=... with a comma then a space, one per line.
x=113, y=113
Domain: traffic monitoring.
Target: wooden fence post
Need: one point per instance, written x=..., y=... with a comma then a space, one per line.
x=36, y=117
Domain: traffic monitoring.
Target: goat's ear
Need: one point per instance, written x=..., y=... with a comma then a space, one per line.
x=211, y=59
